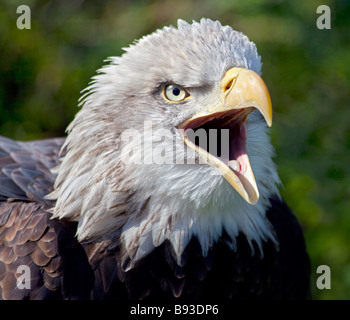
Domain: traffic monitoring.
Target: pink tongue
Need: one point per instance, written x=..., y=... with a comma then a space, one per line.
x=238, y=150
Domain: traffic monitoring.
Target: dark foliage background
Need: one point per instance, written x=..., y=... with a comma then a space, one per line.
x=43, y=70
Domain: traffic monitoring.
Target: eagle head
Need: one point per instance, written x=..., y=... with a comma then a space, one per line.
x=171, y=143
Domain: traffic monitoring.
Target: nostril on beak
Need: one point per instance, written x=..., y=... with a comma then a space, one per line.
x=229, y=85
x=229, y=79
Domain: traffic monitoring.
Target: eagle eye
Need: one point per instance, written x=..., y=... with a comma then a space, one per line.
x=174, y=93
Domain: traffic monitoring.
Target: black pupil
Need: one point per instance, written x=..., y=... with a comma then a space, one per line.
x=176, y=91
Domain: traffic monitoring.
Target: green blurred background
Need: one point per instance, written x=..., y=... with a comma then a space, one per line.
x=43, y=70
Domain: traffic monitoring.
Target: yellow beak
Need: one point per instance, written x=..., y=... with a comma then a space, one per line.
x=243, y=91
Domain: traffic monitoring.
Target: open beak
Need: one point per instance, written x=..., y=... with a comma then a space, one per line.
x=243, y=91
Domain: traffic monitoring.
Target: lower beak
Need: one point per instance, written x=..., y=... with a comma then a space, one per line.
x=243, y=91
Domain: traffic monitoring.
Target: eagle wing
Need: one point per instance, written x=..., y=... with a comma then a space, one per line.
x=29, y=239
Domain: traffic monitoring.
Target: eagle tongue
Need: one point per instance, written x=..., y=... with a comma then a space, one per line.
x=237, y=148
x=239, y=162
x=235, y=165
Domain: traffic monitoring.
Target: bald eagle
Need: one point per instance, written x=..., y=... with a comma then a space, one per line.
x=164, y=188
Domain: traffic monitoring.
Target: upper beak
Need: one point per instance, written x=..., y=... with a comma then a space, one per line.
x=243, y=91
x=245, y=88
